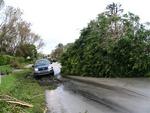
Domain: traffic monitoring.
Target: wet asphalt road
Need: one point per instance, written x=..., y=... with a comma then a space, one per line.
x=79, y=97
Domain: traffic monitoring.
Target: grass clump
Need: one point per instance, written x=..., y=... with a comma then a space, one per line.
x=5, y=69
x=24, y=88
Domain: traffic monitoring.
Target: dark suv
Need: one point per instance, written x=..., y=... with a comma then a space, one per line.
x=43, y=67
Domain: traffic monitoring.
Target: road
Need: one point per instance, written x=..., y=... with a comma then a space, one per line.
x=101, y=96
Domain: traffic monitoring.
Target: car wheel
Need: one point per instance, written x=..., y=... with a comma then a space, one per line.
x=52, y=73
x=36, y=77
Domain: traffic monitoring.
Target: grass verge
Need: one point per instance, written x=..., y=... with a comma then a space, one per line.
x=24, y=88
x=6, y=69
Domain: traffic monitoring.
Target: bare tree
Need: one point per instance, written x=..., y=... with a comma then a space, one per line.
x=14, y=32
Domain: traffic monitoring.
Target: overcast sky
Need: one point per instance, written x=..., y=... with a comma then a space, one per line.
x=60, y=21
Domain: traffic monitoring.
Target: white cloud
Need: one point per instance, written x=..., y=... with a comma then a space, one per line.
x=61, y=20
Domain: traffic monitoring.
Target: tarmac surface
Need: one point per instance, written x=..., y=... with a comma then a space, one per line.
x=92, y=95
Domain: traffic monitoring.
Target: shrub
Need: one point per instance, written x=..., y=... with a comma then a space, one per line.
x=105, y=50
x=5, y=59
x=15, y=64
x=147, y=74
x=20, y=59
x=6, y=69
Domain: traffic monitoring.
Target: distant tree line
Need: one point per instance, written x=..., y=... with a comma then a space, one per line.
x=115, y=44
x=57, y=53
x=16, y=37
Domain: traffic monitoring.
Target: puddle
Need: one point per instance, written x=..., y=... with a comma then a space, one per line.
x=62, y=100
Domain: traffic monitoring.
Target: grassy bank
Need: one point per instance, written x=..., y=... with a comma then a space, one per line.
x=5, y=69
x=24, y=88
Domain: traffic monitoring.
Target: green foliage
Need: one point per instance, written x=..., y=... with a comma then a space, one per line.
x=6, y=59
x=6, y=69
x=16, y=64
x=20, y=59
x=22, y=88
x=57, y=52
x=27, y=50
x=112, y=45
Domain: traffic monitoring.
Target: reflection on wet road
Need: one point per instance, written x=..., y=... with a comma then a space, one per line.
x=96, y=95
x=63, y=101
x=78, y=97
x=127, y=95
